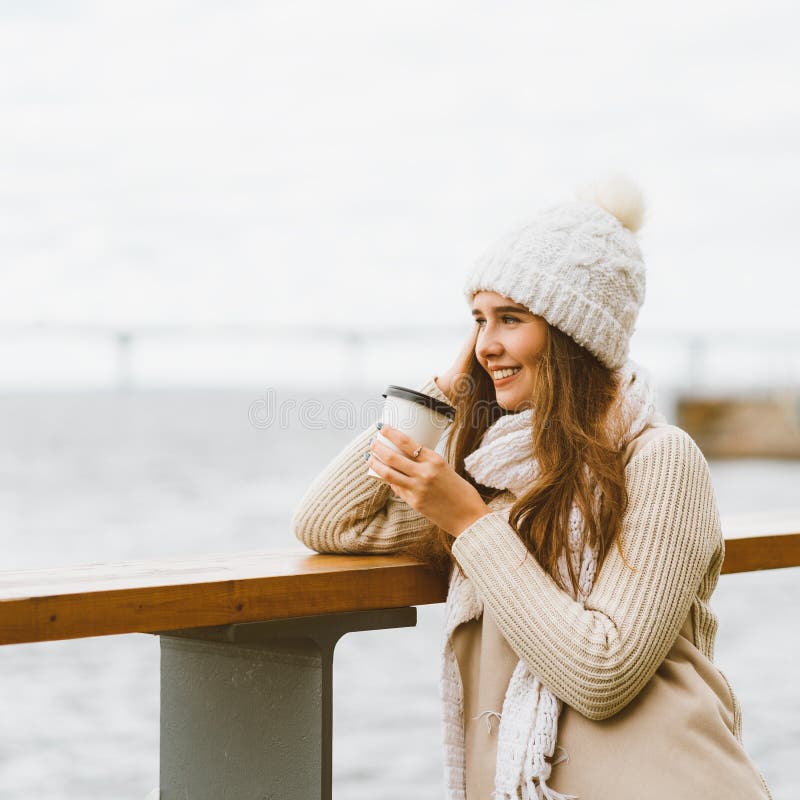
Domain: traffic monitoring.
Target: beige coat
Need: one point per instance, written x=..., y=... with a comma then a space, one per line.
x=675, y=740
x=679, y=738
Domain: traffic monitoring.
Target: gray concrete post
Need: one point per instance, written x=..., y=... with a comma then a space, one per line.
x=247, y=709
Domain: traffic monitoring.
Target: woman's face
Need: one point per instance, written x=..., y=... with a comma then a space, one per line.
x=509, y=337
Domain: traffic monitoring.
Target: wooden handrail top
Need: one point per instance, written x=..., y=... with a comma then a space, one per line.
x=170, y=594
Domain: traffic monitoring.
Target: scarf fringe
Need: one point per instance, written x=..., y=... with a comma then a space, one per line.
x=534, y=791
x=546, y=793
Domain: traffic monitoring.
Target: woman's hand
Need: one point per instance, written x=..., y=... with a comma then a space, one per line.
x=427, y=483
x=460, y=366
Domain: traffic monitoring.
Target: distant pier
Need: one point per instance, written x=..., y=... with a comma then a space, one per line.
x=765, y=424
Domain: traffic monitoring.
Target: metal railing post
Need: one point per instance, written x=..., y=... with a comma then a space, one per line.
x=247, y=709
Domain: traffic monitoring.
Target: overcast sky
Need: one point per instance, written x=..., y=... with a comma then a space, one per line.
x=346, y=162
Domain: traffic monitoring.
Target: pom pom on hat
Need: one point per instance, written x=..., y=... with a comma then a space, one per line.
x=617, y=194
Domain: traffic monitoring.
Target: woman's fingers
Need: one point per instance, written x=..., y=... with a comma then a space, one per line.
x=397, y=461
x=452, y=378
x=406, y=444
x=469, y=346
x=465, y=356
x=388, y=473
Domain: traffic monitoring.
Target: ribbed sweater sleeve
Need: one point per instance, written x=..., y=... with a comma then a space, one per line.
x=345, y=510
x=596, y=657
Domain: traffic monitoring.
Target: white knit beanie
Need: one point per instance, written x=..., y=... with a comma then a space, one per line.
x=578, y=265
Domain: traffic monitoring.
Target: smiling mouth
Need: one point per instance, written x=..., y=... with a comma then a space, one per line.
x=507, y=379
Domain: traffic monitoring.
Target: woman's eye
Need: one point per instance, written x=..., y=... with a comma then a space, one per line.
x=480, y=322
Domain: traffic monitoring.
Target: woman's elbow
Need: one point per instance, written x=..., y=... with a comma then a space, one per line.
x=607, y=698
x=319, y=534
x=597, y=712
x=305, y=531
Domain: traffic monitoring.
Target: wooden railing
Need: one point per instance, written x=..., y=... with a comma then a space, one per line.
x=172, y=594
x=247, y=645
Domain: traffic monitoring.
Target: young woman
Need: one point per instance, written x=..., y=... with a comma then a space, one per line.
x=579, y=530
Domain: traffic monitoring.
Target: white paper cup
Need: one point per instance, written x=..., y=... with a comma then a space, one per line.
x=424, y=419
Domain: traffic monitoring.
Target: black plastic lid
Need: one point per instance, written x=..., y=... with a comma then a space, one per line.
x=422, y=399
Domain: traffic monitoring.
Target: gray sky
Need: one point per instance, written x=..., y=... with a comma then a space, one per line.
x=346, y=162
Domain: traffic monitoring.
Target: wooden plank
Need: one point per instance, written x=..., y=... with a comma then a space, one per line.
x=769, y=540
x=105, y=599
x=148, y=596
x=751, y=553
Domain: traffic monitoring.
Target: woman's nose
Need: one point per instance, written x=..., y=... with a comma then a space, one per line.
x=488, y=344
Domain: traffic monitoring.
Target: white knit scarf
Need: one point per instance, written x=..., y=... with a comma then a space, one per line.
x=529, y=718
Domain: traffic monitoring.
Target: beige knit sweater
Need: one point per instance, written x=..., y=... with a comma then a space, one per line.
x=596, y=657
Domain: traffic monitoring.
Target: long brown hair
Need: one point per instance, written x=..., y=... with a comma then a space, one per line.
x=576, y=440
